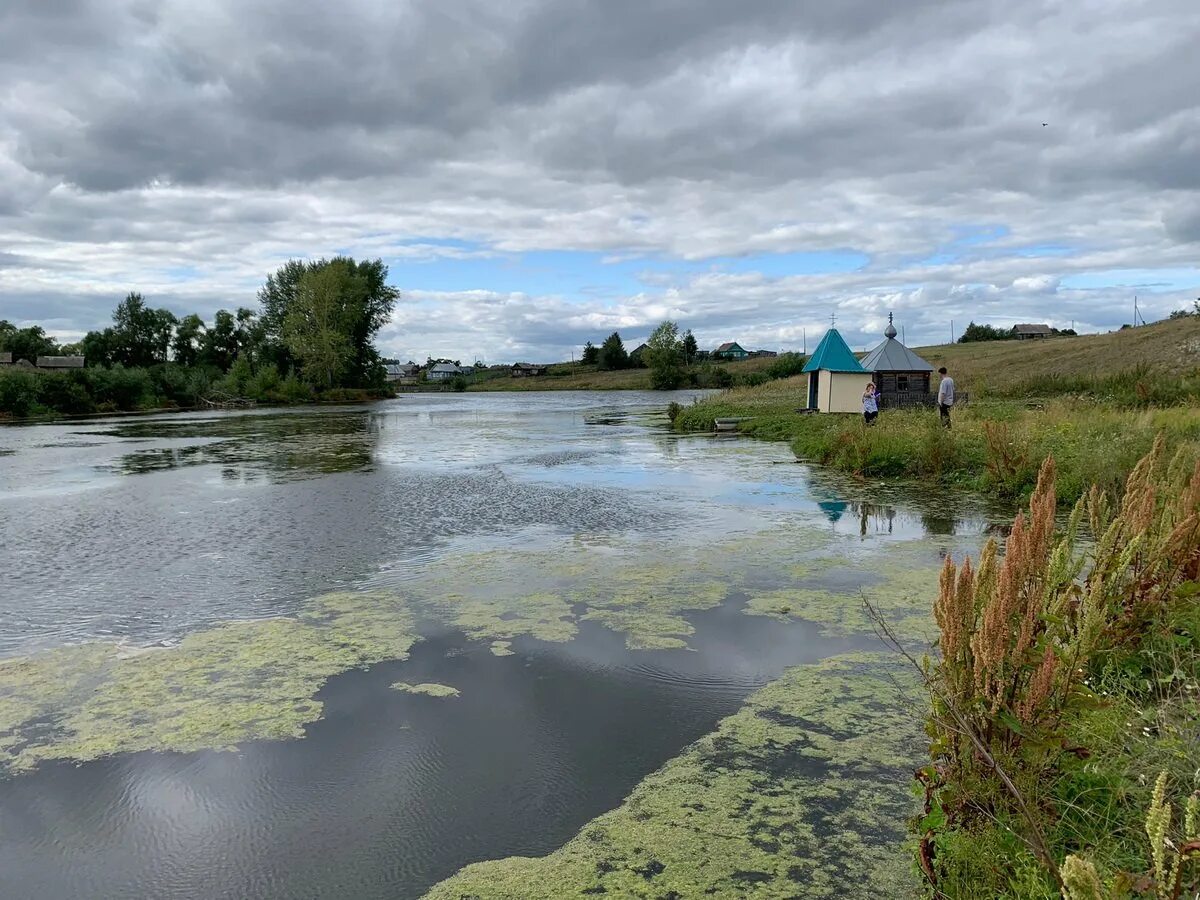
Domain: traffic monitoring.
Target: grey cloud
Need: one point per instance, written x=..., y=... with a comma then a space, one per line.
x=139, y=138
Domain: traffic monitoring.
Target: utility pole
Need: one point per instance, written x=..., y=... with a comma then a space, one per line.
x=804, y=337
x=952, y=331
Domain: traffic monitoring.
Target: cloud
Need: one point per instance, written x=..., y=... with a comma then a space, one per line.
x=185, y=150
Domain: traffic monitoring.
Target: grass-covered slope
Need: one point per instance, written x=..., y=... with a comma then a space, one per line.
x=1014, y=368
x=1093, y=403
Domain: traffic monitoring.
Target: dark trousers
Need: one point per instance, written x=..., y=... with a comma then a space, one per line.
x=870, y=417
x=944, y=409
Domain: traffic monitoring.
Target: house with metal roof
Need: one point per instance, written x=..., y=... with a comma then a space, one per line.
x=444, y=372
x=58, y=363
x=901, y=377
x=836, y=379
x=731, y=350
x=1025, y=332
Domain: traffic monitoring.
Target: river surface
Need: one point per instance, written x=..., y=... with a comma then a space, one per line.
x=577, y=573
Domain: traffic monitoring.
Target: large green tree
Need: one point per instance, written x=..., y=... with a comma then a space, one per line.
x=364, y=304
x=664, y=356
x=690, y=348
x=316, y=329
x=141, y=336
x=189, y=338
x=612, y=353
x=26, y=343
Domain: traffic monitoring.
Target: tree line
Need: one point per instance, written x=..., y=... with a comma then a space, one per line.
x=672, y=360
x=313, y=334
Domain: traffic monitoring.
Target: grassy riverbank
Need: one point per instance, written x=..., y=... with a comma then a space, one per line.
x=1093, y=403
x=1065, y=697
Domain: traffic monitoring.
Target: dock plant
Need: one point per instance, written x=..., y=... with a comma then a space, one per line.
x=1067, y=668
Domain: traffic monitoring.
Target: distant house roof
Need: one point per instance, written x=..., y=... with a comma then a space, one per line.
x=5, y=359
x=1032, y=329
x=446, y=368
x=893, y=356
x=731, y=345
x=60, y=362
x=833, y=355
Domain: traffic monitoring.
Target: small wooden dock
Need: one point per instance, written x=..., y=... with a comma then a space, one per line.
x=727, y=425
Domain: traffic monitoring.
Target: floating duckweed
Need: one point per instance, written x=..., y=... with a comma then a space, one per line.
x=546, y=617
x=218, y=688
x=429, y=690
x=803, y=792
x=502, y=648
x=645, y=630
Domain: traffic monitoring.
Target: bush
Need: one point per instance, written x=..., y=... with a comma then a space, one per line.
x=293, y=390
x=264, y=384
x=65, y=392
x=1051, y=658
x=121, y=388
x=786, y=366
x=19, y=393
x=458, y=383
x=236, y=382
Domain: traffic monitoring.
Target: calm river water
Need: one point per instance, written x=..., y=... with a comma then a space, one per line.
x=128, y=534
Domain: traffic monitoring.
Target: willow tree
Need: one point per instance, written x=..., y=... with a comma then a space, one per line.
x=314, y=327
x=366, y=304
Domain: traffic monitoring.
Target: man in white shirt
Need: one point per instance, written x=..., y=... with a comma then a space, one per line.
x=945, y=397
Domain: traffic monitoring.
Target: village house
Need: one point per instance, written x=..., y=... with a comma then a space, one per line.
x=5, y=359
x=1028, y=332
x=526, y=370
x=901, y=377
x=730, y=350
x=59, y=363
x=443, y=372
x=406, y=373
x=836, y=379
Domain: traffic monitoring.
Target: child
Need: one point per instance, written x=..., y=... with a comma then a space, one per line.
x=870, y=402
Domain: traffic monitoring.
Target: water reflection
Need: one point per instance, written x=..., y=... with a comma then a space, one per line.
x=280, y=446
x=163, y=526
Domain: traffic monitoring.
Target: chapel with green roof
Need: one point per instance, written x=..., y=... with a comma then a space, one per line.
x=836, y=379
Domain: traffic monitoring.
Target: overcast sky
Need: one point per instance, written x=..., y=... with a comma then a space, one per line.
x=540, y=172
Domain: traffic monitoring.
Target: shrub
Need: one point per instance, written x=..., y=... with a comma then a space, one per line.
x=293, y=390
x=121, y=388
x=18, y=393
x=1025, y=640
x=264, y=384
x=65, y=392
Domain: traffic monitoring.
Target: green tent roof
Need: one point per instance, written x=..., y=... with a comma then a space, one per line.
x=833, y=355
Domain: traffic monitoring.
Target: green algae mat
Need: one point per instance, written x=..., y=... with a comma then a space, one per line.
x=803, y=793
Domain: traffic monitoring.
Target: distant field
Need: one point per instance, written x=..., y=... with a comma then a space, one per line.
x=1009, y=368
x=1169, y=348
x=578, y=377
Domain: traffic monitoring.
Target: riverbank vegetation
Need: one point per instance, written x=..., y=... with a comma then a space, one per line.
x=1064, y=714
x=311, y=339
x=1065, y=700
x=1095, y=404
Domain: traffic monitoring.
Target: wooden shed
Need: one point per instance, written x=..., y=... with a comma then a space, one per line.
x=901, y=377
x=836, y=379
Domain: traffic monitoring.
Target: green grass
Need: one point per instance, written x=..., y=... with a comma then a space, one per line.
x=1168, y=349
x=994, y=446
